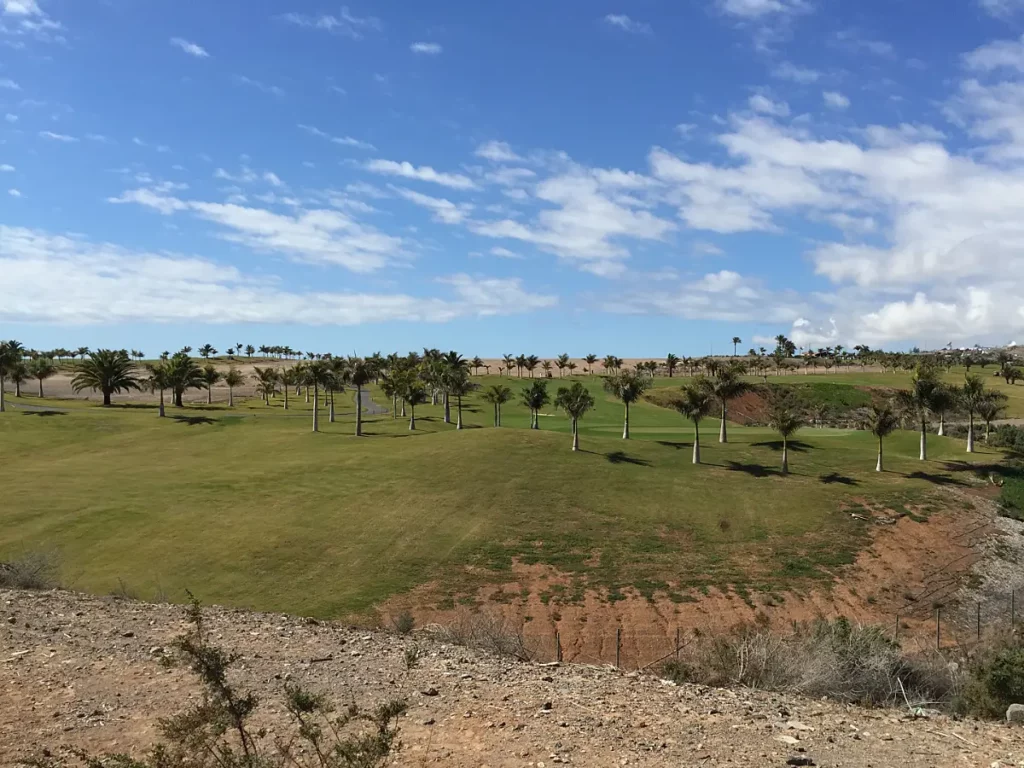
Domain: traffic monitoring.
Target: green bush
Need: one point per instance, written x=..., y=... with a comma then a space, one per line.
x=996, y=680
x=1008, y=436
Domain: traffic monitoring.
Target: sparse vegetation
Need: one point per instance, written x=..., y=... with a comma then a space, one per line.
x=31, y=570
x=403, y=622
x=487, y=632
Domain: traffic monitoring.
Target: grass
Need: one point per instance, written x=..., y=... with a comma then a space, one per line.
x=247, y=507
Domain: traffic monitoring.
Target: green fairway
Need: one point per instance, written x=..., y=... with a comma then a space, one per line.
x=248, y=507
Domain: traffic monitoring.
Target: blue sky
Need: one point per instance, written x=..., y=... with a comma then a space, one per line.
x=629, y=178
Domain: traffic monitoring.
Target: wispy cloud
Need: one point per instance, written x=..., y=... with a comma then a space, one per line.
x=14, y=192
x=626, y=24
x=835, y=100
x=192, y=49
x=497, y=151
x=9, y=84
x=22, y=8
x=5, y=168
x=344, y=141
x=429, y=49
x=789, y=71
x=444, y=210
x=1001, y=8
x=345, y=23
x=761, y=103
x=258, y=85
x=756, y=9
x=853, y=40
x=57, y=136
x=420, y=173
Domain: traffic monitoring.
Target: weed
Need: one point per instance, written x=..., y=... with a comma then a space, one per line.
x=403, y=623
x=32, y=570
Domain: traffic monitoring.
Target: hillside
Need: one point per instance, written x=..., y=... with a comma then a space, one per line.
x=85, y=672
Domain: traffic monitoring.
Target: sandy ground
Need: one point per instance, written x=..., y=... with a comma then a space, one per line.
x=85, y=672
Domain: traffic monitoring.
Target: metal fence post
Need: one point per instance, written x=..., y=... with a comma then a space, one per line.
x=677, y=644
x=558, y=646
x=896, y=634
x=979, y=622
x=618, y=646
x=938, y=628
x=1013, y=608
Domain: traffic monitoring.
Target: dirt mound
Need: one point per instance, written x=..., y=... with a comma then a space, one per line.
x=85, y=672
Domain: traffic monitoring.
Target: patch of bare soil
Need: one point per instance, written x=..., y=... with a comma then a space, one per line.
x=85, y=672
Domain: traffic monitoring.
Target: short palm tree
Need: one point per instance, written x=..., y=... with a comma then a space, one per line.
x=561, y=363
x=210, y=377
x=359, y=375
x=158, y=380
x=459, y=385
x=990, y=409
x=477, y=364
x=266, y=382
x=531, y=363
x=881, y=422
x=590, y=360
x=696, y=403
x=289, y=377
x=575, y=400
x=508, y=361
x=971, y=395
x=946, y=400
x=414, y=393
x=725, y=384
x=207, y=351
x=627, y=386
x=107, y=371
x=919, y=400
x=535, y=397
x=497, y=395
x=18, y=375
x=184, y=374
x=572, y=368
x=671, y=363
x=785, y=418
x=233, y=378
x=316, y=375
x=11, y=353
x=42, y=368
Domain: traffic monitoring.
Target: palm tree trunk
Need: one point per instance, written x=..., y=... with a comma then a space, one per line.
x=785, y=456
x=458, y=404
x=359, y=411
x=495, y=414
x=403, y=407
x=575, y=436
x=162, y=414
x=316, y=409
x=40, y=388
x=412, y=417
x=723, y=436
x=330, y=416
x=231, y=397
x=942, y=425
x=394, y=406
x=307, y=394
x=696, y=442
x=625, y=426
x=498, y=406
x=3, y=406
x=106, y=398
x=878, y=464
x=447, y=409
x=209, y=395
x=970, y=432
x=924, y=441
x=988, y=429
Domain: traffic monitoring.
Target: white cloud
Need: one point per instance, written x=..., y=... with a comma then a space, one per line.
x=192, y=49
x=151, y=199
x=835, y=100
x=789, y=71
x=70, y=281
x=345, y=23
x=1008, y=54
x=429, y=49
x=761, y=103
x=421, y=173
x=14, y=193
x=344, y=141
x=28, y=20
x=9, y=84
x=504, y=253
x=852, y=40
x=57, y=137
x=11, y=118
x=272, y=179
x=1002, y=8
x=756, y=9
x=22, y=8
x=704, y=248
x=627, y=24
x=5, y=168
x=258, y=85
x=444, y=210
x=498, y=152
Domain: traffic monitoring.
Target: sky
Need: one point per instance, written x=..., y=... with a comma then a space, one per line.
x=630, y=178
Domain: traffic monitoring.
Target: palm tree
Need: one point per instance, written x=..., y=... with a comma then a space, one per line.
x=81, y=352
x=233, y=378
x=531, y=363
x=206, y=351
x=108, y=371
x=881, y=422
x=671, y=362
x=11, y=353
x=184, y=374
x=575, y=400
x=944, y=401
x=414, y=393
x=785, y=418
x=546, y=366
x=561, y=363
x=359, y=376
x=535, y=396
x=628, y=386
x=990, y=409
x=919, y=400
x=590, y=360
x=971, y=396
x=249, y=349
x=158, y=381
x=520, y=362
x=610, y=363
x=572, y=368
x=725, y=384
x=340, y=374
x=508, y=361
x=696, y=404
x=19, y=375
x=459, y=385
x=42, y=368
x=266, y=383
x=476, y=364
x=497, y=395
x=736, y=341
x=316, y=375
x=210, y=377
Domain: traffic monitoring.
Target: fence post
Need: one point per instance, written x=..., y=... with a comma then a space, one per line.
x=1013, y=608
x=896, y=634
x=677, y=644
x=938, y=628
x=558, y=646
x=979, y=622
x=618, y=645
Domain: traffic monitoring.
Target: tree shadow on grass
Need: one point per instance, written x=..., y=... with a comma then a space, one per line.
x=797, y=446
x=676, y=445
x=193, y=421
x=931, y=477
x=44, y=413
x=620, y=457
x=754, y=470
x=835, y=478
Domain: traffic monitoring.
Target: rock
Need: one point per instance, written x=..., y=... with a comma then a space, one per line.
x=429, y=721
x=1015, y=714
x=799, y=760
x=11, y=620
x=429, y=691
x=129, y=633
x=787, y=739
x=546, y=706
x=796, y=725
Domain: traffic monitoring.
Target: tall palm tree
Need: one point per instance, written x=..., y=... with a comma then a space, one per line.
x=725, y=384
x=990, y=409
x=918, y=401
x=575, y=400
x=81, y=352
x=561, y=363
x=881, y=422
x=477, y=364
x=340, y=374
x=736, y=341
x=671, y=363
x=971, y=395
x=233, y=378
x=414, y=393
x=590, y=360
x=108, y=371
x=945, y=400
x=210, y=377
x=390, y=386
x=520, y=362
x=572, y=368
x=158, y=380
x=532, y=361
x=42, y=368
x=628, y=386
x=785, y=418
x=184, y=374
x=546, y=367
x=535, y=396
x=266, y=382
x=316, y=374
x=508, y=361
x=359, y=376
x=497, y=395
x=696, y=403
x=610, y=363
x=459, y=385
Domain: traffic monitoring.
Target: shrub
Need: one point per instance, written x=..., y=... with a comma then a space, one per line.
x=33, y=570
x=487, y=632
x=404, y=623
x=996, y=679
x=1008, y=436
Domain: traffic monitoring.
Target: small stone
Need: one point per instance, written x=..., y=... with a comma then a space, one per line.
x=796, y=725
x=129, y=633
x=429, y=721
x=548, y=679
x=1015, y=714
x=787, y=739
x=11, y=620
x=546, y=706
x=429, y=691
x=799, y=760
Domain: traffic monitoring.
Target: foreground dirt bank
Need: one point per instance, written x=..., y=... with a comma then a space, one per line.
x=85, y=672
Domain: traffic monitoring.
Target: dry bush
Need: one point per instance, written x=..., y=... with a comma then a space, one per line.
x=32, y=570
x=403, y=623
x=485, y=631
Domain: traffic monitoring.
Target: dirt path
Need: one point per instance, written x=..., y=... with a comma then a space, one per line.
x=85, y=672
